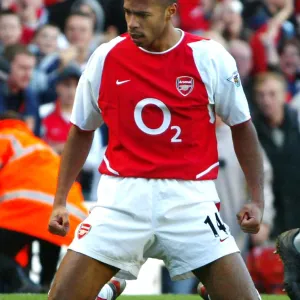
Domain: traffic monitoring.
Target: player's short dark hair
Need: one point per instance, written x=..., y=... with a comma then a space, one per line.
x=10, y=52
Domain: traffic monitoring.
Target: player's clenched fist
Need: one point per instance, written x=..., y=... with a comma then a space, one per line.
x=249, y=218
x=59, y=221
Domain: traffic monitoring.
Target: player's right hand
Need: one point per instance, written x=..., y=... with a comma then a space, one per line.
x=59, y=221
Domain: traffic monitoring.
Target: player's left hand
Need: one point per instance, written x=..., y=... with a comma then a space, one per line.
x=249, y=218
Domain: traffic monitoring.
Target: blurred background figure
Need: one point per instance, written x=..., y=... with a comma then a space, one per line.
x=227, y=20
x=10, y=29
x=279, y=133
x=289, y=65
x=56, y=125
x=195, y=15
x=25, y=201
x=278, y=129
x=15, y=92
x=45, y=47
x=79, y=31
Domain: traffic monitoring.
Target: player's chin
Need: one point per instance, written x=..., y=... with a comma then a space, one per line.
x=138, y=42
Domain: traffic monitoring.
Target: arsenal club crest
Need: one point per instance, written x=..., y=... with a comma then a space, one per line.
x=185, y=85
x=83, y=230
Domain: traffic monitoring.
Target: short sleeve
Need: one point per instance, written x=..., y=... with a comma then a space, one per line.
x=86, y=113
x=218, y=71
x=229, y=97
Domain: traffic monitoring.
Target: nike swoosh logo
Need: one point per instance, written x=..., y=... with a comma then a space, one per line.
x=223, y=240
x=121, y=82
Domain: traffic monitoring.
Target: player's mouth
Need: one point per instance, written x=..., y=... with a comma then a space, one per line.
x=136, y=38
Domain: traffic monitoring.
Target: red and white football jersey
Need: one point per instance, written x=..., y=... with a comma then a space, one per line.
x=160, y=107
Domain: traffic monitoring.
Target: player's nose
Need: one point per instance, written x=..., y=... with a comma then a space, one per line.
x=132, y=22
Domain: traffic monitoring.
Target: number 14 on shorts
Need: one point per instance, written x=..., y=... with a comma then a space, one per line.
x=220, y=231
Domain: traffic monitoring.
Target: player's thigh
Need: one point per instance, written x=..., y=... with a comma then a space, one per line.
x=227, y=279
x=79, y=277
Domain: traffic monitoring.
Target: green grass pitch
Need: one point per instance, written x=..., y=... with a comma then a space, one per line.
x=163, y=297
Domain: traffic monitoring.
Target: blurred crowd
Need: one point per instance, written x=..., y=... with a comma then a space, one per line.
x=44, y=48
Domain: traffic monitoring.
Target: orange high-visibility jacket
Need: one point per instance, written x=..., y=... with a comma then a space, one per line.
x=28, y=178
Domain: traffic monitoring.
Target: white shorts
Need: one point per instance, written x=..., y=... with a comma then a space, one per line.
x=172, y=220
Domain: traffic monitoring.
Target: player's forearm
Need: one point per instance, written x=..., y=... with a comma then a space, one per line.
x=247, y=149
x=74, y=155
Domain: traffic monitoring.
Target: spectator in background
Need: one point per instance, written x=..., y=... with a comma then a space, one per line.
x=33, y=14
x=258, y=13
x=278, y=130
x=6, y=4
x=95, y=10
x=289, y=64
x=92, y=8
x=10, y=29
x=15, y=93
x=242, y=53
x=45, y=49
x=266, y=39
x=227, y=20
x=79, y=31
x=57, y=124
x=195, y=15
x=46, y=41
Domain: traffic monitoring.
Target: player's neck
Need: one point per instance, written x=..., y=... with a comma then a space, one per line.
x=168, y=39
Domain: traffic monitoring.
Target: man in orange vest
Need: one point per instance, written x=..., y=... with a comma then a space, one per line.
x=28, y=176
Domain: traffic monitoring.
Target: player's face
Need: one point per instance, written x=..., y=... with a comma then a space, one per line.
x=146, y=20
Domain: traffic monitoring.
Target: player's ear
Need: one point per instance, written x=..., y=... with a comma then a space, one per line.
x=171, y=11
